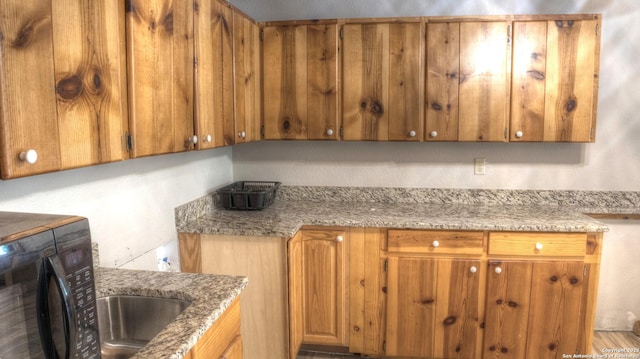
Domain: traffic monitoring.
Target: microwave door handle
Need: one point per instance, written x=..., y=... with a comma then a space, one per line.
x=71, y=325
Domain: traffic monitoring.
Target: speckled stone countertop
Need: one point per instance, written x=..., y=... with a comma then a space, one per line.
x=210, y=295
x=448, y=209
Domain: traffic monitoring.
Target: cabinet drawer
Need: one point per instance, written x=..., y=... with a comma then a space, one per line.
x=423, y=241
x=538, y=244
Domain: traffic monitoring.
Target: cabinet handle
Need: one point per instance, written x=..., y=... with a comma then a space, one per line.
x=329, y=132
x=539, y=246
x=339, y=238
x=30, y=156
x=207, y=138
x=242, y=134
x=435, y=244
x=519, y=134
x=412, y=133
x=194, y=139
x=473, y=269
x=498, y=270
x=434, y=134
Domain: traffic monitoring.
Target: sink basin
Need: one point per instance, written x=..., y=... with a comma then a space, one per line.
x=128, y=323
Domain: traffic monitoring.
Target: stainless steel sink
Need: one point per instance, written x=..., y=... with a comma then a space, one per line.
x=128, y=323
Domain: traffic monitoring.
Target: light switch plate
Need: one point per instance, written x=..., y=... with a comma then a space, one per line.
x=479, y=165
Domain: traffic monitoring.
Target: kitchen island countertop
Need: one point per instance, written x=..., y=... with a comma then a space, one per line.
x=210, y=296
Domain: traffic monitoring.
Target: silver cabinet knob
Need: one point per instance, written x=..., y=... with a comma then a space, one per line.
x=242, y=134
x=473, y=269
x=412, y=133
x=329, y=132
x=339, y=238
x=519, y=134
x=435, y=244
x=30, y=156
x=434, y=134
x=498, y=270
x=539, y=246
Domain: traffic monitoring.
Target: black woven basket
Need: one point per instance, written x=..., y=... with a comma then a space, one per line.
x=250, y=195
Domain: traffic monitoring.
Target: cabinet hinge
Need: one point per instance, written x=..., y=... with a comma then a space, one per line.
x=384, y=346
x=261, y=35
x=508, y=34
x=341, y=33
x=128, y=141
x=597, y=30
x=506, y=133
x=262, y=131
x=386, y=265
x=585, y=271
x=341, y=132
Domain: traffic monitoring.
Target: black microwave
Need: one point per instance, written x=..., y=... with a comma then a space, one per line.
x=47, y=292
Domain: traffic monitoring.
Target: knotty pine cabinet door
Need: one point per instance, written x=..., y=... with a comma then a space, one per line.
x=433, y=307
x=300, y=87
x=324, y=287
x=62, y=78
x=246, y=55
x=295, y=279
x=382, y=67
x=535, y=309
x=160, y=68
x=555, y=80
x=214, y=78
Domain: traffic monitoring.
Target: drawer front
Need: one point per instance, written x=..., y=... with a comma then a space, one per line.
x=424, y=241
x=538, y=244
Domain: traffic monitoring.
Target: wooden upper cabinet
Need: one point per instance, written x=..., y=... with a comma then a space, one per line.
x=62, y=85
x=160, y=67
x=214, y=80
x=300, y=87
x=555, y=79
x=483, y=94
x=246, y=52
x=382, y=81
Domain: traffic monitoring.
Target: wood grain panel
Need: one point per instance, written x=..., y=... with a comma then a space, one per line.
x=442, y=83
x=264, y=300
x=524, y=244
x=406, y=86
x=322, y=82
x=457, y=321
x=90, y=87
x=324, y=287
x=234, y=350
x=246, y=38
x=528, y=80
x=160, y=69
x=29, y=118
x=357, y=285
x=507, y=310
x=285, y=82
x=374, y=297
x=366, y=82
x=572, y=70
x=295, y=285
x=411, y=306
x=214, y=81
x=417, y=241
x=556, y=308
x=484, y=90
x=190, y=252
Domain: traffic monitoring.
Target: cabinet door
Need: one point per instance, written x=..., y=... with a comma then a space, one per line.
x=213, y=37
x=285, y=82
x=246, y=39
x=534, y=309
x=433, y=307
x=160, y=69
x=62, y=85
x=483, y=95
x=324, y=287
x=382, y=87
x=555, y=71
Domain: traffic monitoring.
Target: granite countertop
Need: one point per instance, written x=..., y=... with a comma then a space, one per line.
x=210, y=296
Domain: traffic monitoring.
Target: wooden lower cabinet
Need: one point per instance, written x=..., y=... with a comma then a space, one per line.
x=433, y=307
x=223, y=339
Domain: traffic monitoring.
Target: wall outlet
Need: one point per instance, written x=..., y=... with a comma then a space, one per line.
x=479, y=165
